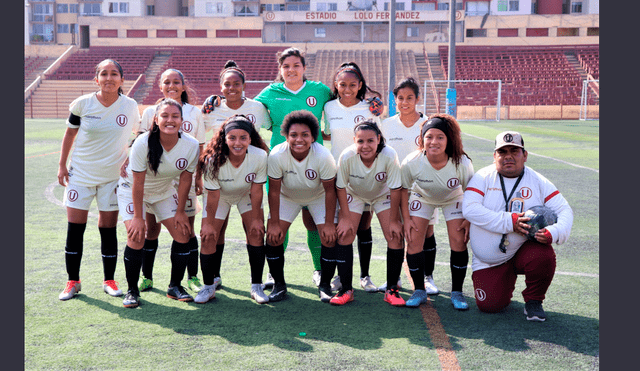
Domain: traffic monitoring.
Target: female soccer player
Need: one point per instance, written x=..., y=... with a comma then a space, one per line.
x=368, y=174
x=234, y=165
x=99, y=125
x=232, y=85
x=346, y=109
x=437, y=175
x=173, y=85
x=402, y=132
x=157, y=158
x=301, y=173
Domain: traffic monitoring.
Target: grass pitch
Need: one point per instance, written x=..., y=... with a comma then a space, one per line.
x=94, y=331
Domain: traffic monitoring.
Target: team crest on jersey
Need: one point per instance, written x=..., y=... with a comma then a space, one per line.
x=187, y=126
x=72, y=195
x=251, y=118
x=417, y=140
x=415, y=205
x=311, y=174
x=250, y=177
x=312, y=101
x=358, y=118
x=381, y=176
x=349, y=198
x=182, y=163
x=453, y=182
x=129, y=208
x=122, y=120
x=526, y=193
x=481, y=295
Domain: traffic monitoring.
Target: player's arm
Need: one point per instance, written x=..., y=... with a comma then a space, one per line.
x=207, y=231
x=274, y=231
x=67, y=142
x=257, y=215
x=181, y=220
x=137, y=227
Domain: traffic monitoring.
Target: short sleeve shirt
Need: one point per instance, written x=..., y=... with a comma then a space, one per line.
x=372, y=182
x=192, y=121
x=340, y=121
x=403, y=139
x=254, y=110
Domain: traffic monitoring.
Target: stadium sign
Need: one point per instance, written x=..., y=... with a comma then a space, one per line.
x=359, y=16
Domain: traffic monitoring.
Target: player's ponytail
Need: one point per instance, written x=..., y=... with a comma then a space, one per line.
x=370, y=124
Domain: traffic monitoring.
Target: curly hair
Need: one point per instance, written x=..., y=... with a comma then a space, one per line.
x=216, y=152
x=454, y=148
x=352, y=67
x=302, y=117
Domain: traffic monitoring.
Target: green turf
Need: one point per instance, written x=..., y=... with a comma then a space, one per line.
x=94, y=332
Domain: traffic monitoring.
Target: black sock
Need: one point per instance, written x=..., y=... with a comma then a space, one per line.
x=132, y=264
x=179, y=259
x=344, y=261
x=327, y=264
x=395, y=258
x=217, y=259
x=148, y=257
x=275, y=260
x=192, y=264
x=365, y=245
x=458, y=263
x=206, y=265
x=109, y=250
x=416, y=269
x=429, y=251
x=256, y=262
x=73, y=249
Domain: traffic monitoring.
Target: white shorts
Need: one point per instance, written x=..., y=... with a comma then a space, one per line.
x=192, y=206
x=224, y=206
x=451, y=210
x=289, y=209
x=163, y=209
x=80, y=197
x=358, y=205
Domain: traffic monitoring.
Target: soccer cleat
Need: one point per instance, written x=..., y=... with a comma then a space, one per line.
x=72, y=288
x=178, y=293
x=145, y=284
x=430, y=286
x=316, y=277
x=336, y=285
x=131, y=299
x=325, y=294
x=534, y=312
x=342, y=298
x=383, y=287
x=217, y=282
x=194, y=284
x=418, y=297
x=258, y=294
x=279, y=292
x=458, y=300
x=111, y=288
x=392, y=296
x=206, y=293
x=367, y=285
x=269, y=282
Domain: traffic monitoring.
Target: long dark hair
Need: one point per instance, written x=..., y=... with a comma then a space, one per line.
x=118, y=66
x=352, y=67
x=216, y=153
x=454, y=148
x=281, y=56
x=155, y=148
x=370, y=124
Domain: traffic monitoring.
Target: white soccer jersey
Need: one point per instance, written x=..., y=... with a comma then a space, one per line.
x=368, y=183
x=183, y=156
x=100, y=147
x=192, y=121
x=340, y=121
x=484, y=206
x=234, y=183
x=301, y=180
x=436, y=187
x=254, y=110
x=403, y=139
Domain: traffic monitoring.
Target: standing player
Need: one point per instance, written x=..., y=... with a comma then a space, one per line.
x=436, y=175
x=302, y=173
x=368, y=174
x=234, y=165
x=233, y=102
x=157, y=158
x=173, y=85
x=346, y=109
x=402, y=132
x=100, y=125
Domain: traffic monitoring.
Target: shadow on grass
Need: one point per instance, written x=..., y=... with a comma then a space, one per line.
x=292, y=324
x=510, y=331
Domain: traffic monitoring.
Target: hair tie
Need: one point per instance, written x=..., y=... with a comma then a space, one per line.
x=349, y=68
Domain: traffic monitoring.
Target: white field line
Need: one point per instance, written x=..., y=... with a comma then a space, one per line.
x=51, y=198
x=543, y=156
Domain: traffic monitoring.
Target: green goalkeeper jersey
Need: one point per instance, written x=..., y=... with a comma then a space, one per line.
x=280, y=101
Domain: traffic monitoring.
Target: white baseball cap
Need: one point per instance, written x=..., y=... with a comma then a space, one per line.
x=509, y=138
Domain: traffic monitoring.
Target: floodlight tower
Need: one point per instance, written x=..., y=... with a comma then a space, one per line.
x=392, y=56
x=451, y=88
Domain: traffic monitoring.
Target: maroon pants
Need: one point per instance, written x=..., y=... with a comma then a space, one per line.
x=493, y=287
